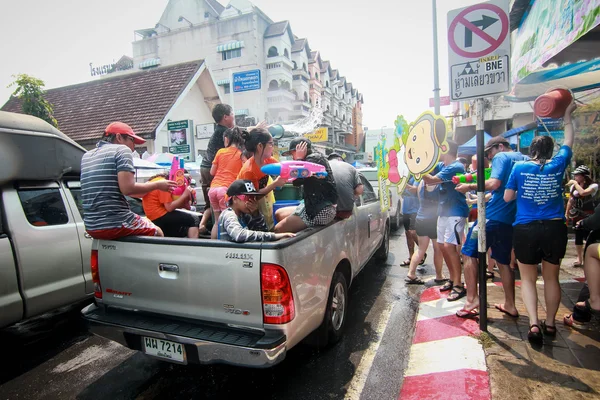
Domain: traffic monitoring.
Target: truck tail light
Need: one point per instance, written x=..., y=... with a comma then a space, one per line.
x=95, y=274
x=277, y=297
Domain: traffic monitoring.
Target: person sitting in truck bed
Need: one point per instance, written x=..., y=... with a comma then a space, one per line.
x=165, y=211
x=320, y=193
x=242, y=222
x=107, y=176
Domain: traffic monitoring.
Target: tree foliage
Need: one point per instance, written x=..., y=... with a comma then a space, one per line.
x=586, y=149
x=30, y=91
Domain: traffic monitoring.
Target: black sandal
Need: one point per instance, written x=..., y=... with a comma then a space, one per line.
x=405, y=263
x=535, y=337
x=414, y=281
x=548, y=330
x=458, y=292
x=423, y=260
x=489, y=275
x=447, y=286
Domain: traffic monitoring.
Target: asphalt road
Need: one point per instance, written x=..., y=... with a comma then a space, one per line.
x=54, y=357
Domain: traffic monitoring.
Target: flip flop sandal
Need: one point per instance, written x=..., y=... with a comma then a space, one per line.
x=548, y=330
x=576, y=265
x=502, y=310
x=535, y=337
x=414, y=281
x=423, y=260
x=489, y=275
x=457, y=293
x=447, y=286
x=588, y=307
x=405, y=263
x=467, y=314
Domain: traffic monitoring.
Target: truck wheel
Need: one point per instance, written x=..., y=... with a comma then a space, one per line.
x=334, y=321
x=384, y=249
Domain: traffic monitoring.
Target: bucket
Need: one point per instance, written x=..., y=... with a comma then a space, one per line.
x=552, y=103
x=276, y=131
x=288, y=192
x=283, y=203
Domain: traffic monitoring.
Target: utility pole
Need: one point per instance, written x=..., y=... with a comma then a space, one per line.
x=436, y=72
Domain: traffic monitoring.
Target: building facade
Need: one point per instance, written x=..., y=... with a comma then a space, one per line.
x=239, y=38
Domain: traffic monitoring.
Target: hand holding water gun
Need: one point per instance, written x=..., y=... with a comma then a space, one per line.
x=470, y=178
x=177, y=174
x=291, y=170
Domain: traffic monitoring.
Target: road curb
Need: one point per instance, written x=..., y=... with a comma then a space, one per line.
x=446, y=358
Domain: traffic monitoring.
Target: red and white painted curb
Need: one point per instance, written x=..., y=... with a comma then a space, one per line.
x=446, y=359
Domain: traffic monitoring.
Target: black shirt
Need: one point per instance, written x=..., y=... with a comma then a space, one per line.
x=318, y=193
x=215, y=144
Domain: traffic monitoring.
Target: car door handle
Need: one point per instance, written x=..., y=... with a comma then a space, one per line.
x=87, y=236
x=168, y=267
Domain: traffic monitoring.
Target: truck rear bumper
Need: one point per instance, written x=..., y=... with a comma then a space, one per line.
x=204, y=344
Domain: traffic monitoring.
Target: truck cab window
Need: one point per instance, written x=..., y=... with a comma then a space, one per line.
x=369, y=195
x=43, y=207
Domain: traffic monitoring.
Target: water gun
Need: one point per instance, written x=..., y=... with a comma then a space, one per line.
x=177, y=174
x=291, y=170
x=470, y=178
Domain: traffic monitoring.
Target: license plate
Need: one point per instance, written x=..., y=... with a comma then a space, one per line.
x=164, y=349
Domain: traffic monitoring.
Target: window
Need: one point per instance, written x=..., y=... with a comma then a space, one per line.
x=317, y=75
x=206, y=15
x=369, y=195
x=295, y=65
x=326, y=83
x=226, y=89
x=43, y=207
x=229, y=54
x=304, y=67
x=286, y=54
x=272, y=52
x=134, y=204
x=273, y=85
x=305, y=97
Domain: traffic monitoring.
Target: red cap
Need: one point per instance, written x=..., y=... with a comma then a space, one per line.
x=123, y=129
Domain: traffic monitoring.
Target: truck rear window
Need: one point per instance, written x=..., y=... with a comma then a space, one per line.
x=43, y=207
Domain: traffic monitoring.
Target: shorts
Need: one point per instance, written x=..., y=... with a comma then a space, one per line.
x=176, y=223
x=217, y=197
x=206, y=179
x=323, y=217
x=450, y=229
x=426, y=227
x=580, y=236
x=498, y=237
x=141, y=226
x=540, y=240
x=409, y=221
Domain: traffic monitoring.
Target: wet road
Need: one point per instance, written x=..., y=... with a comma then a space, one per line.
x=55, y=358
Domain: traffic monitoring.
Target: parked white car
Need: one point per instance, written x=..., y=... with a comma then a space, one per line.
x=395, y=202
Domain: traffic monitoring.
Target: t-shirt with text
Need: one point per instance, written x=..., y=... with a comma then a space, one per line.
x=539, y=188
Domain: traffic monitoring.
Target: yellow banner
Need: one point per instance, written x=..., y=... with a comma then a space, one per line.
x=319, y=135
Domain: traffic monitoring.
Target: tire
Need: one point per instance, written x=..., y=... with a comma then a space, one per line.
x=397, y=220
x=384, y=249
x=331, y=329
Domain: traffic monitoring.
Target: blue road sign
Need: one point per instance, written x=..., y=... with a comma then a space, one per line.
x=247, y=80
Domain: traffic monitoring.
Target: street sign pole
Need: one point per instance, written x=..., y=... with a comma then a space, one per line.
x=436, y=73
x=231, y=90
x=481, y=237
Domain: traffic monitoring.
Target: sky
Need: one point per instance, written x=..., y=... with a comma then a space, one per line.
x=383, y=47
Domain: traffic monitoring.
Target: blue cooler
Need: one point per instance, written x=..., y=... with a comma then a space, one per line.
x=283, y=203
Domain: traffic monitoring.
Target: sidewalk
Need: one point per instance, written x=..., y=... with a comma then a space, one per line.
x=567, y=367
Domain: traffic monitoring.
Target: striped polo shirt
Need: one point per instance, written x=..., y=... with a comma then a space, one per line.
x=104, y=206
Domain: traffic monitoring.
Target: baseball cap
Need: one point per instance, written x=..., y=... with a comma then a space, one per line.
x=582, y=170
x=241, y=186
x=295, y=142
x=333, y=155
x=123, y=129
x=495, y=141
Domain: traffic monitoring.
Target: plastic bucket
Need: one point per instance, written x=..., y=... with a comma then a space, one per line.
x=283, y=203
x=288, y=192
x=552, y=103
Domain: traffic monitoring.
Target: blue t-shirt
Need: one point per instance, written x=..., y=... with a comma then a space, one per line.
x=429, y=200
x=540, y=191
x=497, y=209
x=452, y=203
x=410, y=202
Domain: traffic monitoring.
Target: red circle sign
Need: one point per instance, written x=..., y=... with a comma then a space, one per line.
x=494, y=43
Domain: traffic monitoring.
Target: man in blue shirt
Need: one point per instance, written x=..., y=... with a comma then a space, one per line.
x=453, y=212
x=499, y=219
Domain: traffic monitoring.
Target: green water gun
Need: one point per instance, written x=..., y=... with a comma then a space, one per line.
x=470, y=178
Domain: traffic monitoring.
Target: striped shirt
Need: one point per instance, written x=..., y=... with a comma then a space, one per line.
x=243, y=229
x=104, y=206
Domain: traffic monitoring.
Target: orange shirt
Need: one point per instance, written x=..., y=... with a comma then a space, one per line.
x=251, y=171
x=229, y=162
x=154, y=201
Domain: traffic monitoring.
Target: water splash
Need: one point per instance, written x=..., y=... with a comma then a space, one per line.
x=307, y=124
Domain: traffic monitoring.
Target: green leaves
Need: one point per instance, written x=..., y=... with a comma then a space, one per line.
x=30, y=90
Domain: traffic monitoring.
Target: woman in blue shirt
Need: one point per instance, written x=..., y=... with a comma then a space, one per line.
x=540, y=232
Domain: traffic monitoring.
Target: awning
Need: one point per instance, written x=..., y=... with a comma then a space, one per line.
x=223, y=82
x=230, y=46
x=578, y=77
x=470, y=147
x=152, y=62
x=521, y=129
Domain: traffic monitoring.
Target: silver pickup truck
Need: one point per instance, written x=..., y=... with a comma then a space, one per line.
x=247, y=304
x=44, y=253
